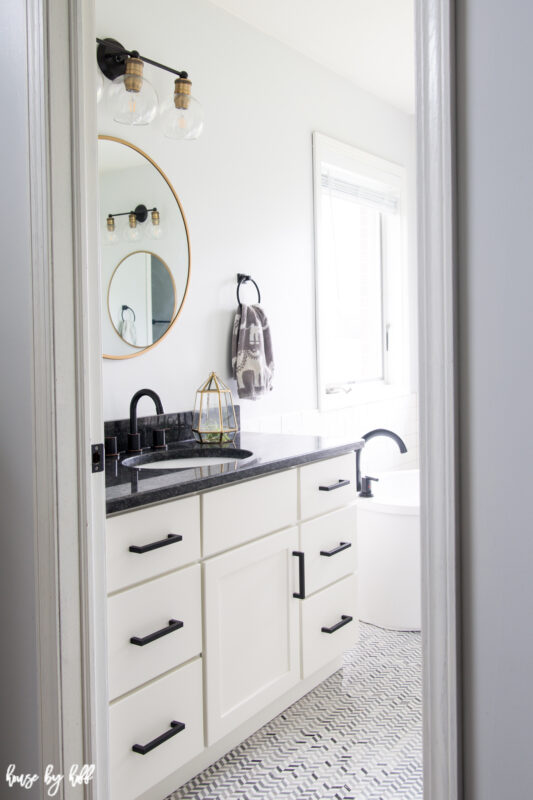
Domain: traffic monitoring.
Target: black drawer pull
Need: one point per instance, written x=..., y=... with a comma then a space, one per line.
x=301, y=574
x=342, y=546
x=345, y=619
x=334, y=486
x=175, y=727
x=172, y=538
x=173, y=625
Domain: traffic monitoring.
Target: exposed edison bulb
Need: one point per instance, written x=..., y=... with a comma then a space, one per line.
x=133, y=232
x=130, y=98
x=182, y=116
x=110, y=235
x=155, y=229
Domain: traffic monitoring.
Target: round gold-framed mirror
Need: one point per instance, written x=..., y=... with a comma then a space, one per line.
x=145, y=250
x=141, y=298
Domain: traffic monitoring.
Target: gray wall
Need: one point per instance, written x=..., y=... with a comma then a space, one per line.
x=19, y=717
x=495, y=150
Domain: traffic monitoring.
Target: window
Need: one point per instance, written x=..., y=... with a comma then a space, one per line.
x=361, y=278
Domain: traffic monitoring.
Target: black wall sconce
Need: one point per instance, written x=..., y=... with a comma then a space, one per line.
x=139, y=214
x=132, y=100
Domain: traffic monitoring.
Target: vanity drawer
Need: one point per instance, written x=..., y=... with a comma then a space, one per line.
x=146, y=715
x=237, y=514
x=326, y=609
x=147, y=609
x=333, y=534
x=143, y=529
x=330, y=474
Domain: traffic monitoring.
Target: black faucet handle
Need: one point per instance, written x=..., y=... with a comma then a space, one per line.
x=111, y=447
x=159, y=438
x=134, y=443
x=366, y=486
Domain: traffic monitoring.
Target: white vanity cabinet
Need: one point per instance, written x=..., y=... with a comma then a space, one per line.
x=224, y=607
x=329, y=618
x=251, y=630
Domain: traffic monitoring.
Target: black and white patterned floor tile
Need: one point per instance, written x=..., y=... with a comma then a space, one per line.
x=357, y=736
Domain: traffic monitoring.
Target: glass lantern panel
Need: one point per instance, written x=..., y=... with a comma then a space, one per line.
x=231, y=421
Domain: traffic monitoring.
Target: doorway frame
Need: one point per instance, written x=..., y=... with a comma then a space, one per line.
x=66, y=309
x=438, y=382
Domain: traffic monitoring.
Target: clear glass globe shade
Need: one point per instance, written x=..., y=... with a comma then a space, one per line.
x=155, y=231
x=131, y=108
x=110, y=237
x=99, y=86
x=182, y=123
x=133, y=234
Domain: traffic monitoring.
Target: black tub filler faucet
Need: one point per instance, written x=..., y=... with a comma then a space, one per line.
x=364, y=486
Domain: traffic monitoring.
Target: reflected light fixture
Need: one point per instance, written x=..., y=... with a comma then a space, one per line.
x=111, y=235
x=132, y=100
x=136, y=218
x=132, y=234
x=155, y=230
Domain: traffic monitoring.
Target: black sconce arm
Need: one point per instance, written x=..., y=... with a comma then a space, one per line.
x=111, y=56
x=141, y=213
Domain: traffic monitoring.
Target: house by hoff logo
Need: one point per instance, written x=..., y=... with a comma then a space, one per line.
x=78, y=775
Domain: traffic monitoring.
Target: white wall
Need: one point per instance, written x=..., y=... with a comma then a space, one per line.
x=495, y=136
x=246, y=187
x=19, y=719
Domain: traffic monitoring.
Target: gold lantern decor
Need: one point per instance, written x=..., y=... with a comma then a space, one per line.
x=214, y=419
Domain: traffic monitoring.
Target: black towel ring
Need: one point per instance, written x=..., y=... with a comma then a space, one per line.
x=244, y=279
x=128, y=308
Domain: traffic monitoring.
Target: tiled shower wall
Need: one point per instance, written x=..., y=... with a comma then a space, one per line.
x=399, y=414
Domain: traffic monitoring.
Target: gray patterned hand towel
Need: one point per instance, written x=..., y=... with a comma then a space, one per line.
x=251, y=353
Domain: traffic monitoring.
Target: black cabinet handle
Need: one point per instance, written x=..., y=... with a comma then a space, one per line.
x=345, y=619
x=175, y=727
x=301, y=574
x=342, y=546
x=173, y=625
x=334, y=486
x=172, y=538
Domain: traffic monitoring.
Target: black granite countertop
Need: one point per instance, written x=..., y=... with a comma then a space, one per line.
x=128, y=487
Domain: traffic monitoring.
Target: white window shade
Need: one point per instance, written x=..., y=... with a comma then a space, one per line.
x=341, y=184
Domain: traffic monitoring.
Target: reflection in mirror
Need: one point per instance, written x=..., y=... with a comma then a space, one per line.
x=152, y=286
x=141, y=299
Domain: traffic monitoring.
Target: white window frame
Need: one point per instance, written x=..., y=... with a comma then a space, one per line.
x=396, y=359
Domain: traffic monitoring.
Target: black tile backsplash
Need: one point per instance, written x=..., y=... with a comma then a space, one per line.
x=178, y=425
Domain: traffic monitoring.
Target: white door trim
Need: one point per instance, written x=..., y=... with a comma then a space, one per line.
x=438, y=405
x=70, y=502
x=71, y=540
x=44, y=396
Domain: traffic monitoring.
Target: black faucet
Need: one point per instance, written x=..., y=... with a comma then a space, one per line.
x=372, y=435
x=134, y=437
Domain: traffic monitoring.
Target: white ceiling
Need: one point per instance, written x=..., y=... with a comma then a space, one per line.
x=370, y=42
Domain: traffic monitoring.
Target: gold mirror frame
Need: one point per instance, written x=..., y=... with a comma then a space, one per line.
x=106, y=138
x=141, y=347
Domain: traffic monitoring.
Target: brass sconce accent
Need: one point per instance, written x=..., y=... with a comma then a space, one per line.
x=132, y=100
x=138, y=215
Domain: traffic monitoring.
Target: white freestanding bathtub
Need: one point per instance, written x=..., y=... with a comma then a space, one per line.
x=388, y=536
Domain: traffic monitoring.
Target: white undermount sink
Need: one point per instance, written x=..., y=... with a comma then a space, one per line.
x=188, y=458
x=188, y=463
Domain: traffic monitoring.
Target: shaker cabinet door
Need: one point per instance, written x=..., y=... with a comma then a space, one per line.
x=251, y=630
